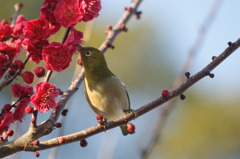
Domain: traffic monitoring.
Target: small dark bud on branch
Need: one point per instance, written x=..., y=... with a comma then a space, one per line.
x=61, y=140
x=211, y=75
x=83, y=143
x=129, y=9
x=35, y=142
x=64, y=112
x=123, y=28
x=109, y=45
x=229, y=43
x=58, y=125
x=182, y=96
x=36, y=154
x=187, y=74
x=100, y=121
x=214, y=57
x=138, y=15
x=108, y=28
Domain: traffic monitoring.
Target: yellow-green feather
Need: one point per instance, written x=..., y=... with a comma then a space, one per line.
x=104, y=91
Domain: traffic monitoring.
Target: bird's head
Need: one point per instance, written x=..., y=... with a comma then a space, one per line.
x=92, y=59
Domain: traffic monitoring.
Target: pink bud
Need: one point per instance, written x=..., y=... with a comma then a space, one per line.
x=18, y=64
x=29, y=109
x=28, y=77
x=35, y=142
x=165, y=93
x=99, y=116
x=7, y=107
x=10, y=133
x=61, y=140
x=39, y=72
x=79, y=61
x=131, y=128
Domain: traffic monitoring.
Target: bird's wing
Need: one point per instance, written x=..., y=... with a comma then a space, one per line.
x=128, y=110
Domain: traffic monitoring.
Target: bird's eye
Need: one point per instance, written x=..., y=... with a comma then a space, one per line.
x=88, y=53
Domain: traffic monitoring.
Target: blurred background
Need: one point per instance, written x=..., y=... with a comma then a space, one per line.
x=149, y=58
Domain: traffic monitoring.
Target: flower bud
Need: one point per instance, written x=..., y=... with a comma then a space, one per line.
x=39, y=72
x=61, y=140
x=83, y=143
x=29, y=109
x=99, y=116
x=7, y=108
x=36, y=154
x=131, y=128
x=10, y=133
x=165, y=93
x=58, y=125
x=28, y=77
x=35, y=142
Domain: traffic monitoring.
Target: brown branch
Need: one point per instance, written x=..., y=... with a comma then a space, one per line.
x=112, y=34
x=130, y=116
x=165, y=112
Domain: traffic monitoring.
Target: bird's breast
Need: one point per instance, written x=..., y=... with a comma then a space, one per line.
x=107, y=97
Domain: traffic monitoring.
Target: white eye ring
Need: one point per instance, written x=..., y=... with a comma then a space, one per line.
x=88, y=53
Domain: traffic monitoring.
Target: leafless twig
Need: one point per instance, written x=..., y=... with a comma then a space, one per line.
x=164, y=113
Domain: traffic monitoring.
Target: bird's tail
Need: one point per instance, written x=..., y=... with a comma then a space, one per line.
x=124, y=129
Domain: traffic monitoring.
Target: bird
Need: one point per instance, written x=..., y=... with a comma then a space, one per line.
x=105, y=93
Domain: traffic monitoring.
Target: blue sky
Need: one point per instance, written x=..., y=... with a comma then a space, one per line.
x=180, y=21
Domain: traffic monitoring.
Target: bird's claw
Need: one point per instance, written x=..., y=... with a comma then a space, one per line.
x=131, y=111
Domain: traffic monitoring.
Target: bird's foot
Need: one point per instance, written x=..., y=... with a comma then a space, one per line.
x=131, y=111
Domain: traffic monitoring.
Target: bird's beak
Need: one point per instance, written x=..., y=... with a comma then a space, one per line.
x=80, y=49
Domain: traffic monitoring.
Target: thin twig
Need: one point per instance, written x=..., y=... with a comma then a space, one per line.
x=66, y=34
x=117, y=28
x=48, y=76
x=18, y=7
x=165, y=112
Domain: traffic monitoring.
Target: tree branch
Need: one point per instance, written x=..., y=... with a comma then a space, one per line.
x=138, y=112
x=112, y=34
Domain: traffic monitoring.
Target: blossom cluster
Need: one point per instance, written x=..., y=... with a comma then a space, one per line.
x=33, y=36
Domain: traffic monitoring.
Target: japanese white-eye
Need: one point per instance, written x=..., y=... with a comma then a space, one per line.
x=105, y=93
